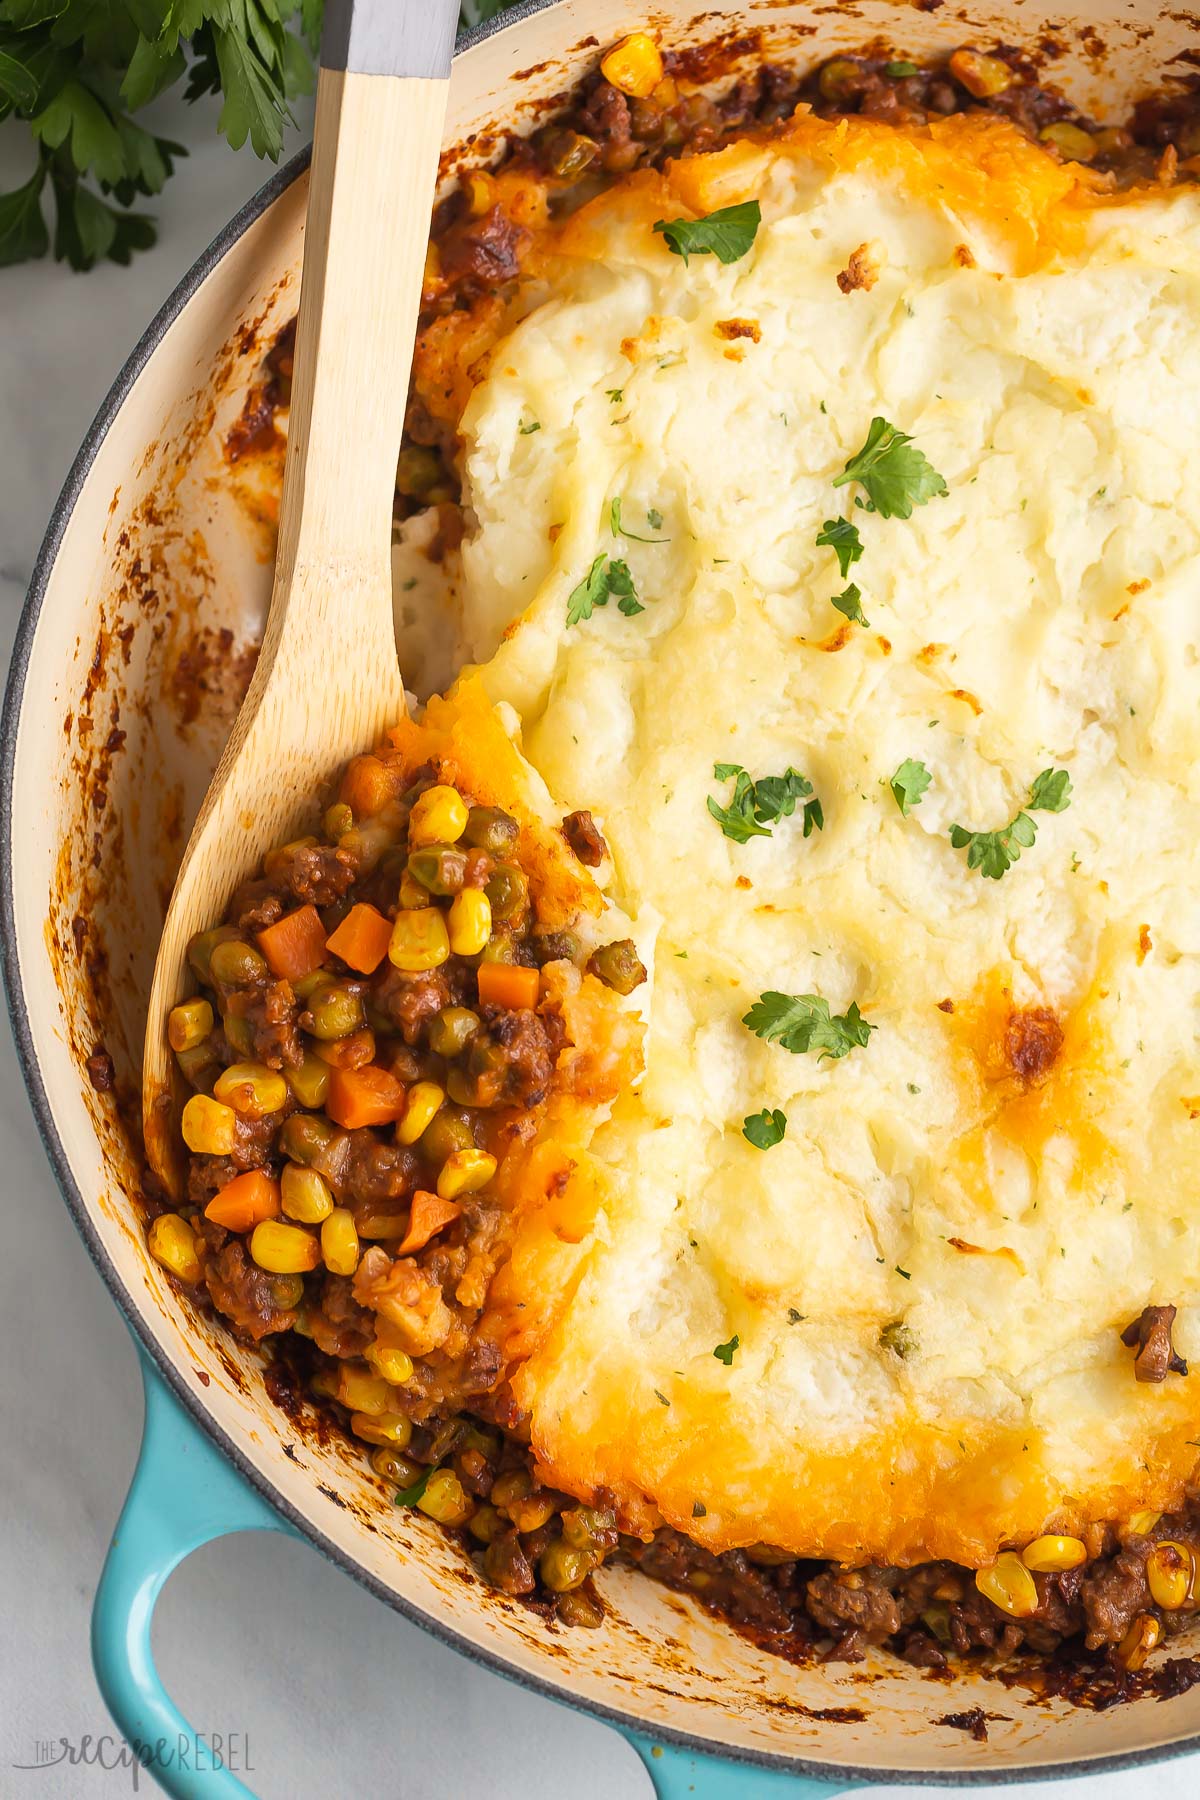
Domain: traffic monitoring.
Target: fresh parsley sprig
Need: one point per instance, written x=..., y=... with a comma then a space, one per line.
x=895, y=475
x=75, y=73
x=843, y=538
x=803, y=1022
x=724, y=1352
x=993, y=853
x=765, y=1129
x=757, y=805
x=909, y=784
x=608, y=577
x=726, y=234
x=849, y=604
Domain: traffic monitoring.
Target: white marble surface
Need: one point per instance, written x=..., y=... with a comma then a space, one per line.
x=336, y=1694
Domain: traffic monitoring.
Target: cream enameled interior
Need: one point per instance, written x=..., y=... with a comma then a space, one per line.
x=653, y=1645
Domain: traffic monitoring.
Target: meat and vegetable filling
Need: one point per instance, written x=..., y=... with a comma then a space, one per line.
x=388, y=1015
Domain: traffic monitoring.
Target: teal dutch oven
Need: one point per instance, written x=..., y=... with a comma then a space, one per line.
x=147, y=598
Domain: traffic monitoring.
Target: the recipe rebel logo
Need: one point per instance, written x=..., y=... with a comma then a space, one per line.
x=201, y=1753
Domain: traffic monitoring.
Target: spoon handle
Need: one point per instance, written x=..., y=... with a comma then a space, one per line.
x=327, y=682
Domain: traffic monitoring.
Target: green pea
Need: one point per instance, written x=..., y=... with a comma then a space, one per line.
x=418, y=468
x=236, y=964
x=445, y=1133
x=440, y=868
x=562, y=1567
x=555, y=946
x=240, y=1033
x=618, y=966
x=201, y=947
x=334, y=1012
x=486, y=1524
x=304, y=1135
x=338, y=821
x=490, y=829
x=287, y=1291
x=451, y=1030
x=508, y=891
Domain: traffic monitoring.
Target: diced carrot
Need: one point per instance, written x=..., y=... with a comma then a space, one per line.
x=295, y=945
x=508, y=984
x=245, y=1202
x=369, y=783
x=367, y=1096
x=362, y=938
x=353, y=1052
x=430, y=1214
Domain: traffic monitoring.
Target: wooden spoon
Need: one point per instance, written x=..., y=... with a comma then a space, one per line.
x=328, y=682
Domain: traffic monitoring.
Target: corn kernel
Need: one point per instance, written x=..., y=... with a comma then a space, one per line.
x=1051, y=1555
x=424, y=1099
x=1143, y=1523
x=396, y=1366
x=310, y=1082
x=283, y=1249
x=189, y=1024
x=445, y=1499
x=1170, y=1568
x=439, y=816
x=362, y=1391
x=339, y=1242
x=419, y=940
x=1009, y=1585
x=251, y=1089
x=982, y=76
x=470, y=922
x=208, y=1127
x=478, y=190
x=387, y=1428
x=394, y=1466
x=465, y=1172
x=634, y=65
x=304, y=1194
x=1071, y=141
x=173, y=1244
x=431, y=279
x=1138, y=1642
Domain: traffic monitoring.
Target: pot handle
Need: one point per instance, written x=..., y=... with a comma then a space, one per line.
x=183, y=1494
x=677, y=1774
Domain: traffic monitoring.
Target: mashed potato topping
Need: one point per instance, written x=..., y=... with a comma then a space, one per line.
x=925, y=1282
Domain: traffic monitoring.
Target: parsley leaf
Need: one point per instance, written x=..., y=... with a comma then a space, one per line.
x=993, y=853
x=619, y=530
x=724, y=1352
x=606, y=577
x=842, y=537
x=909, y=783
x=528, y=430
x=849, y=604
x=661, y=1398
x=765, y=1129
x=898, y=70
x=410, y=1495
x=616, y=395
x=726, y=234
x=654, y=518
x=759, y=804
x=896, y=476
x=801, y=1022
x=900, y=1339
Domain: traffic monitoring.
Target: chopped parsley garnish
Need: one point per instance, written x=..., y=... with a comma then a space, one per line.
x=616, y=395
x=909, y=783
x=898, y=70
x=993, y=853
x=661, y=1398
x=764, y=1129
x=528, y=430
x=756, y=805
x=895, y=474
x=726, y=234
x=410, y=1495
x=905, y=1274
x=850, y=605
x=794, y=1317
x=724, y=1352
x=654, y=518
x=606, y=577
x=699, y=1510
x=842, y=537
x=801, y=1022
x=619, y=530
